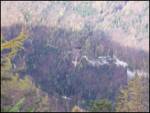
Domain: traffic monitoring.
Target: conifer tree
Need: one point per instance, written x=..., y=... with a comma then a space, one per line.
x=134, y=97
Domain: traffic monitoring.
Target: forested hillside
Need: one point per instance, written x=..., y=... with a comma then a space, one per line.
x=74, y=56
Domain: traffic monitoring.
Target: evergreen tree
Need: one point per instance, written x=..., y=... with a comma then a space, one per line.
x=134, y=97
x=122, y=101
x=135, y=89
x=103, y=105
x=18, y=94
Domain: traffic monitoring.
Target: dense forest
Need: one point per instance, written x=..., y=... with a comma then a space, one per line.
x=47, y=76
x=53, y=69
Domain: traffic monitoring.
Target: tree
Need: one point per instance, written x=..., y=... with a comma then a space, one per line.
x=134, y=97
x=14, y=46
x=122, y=101
x=103, y=105
x=135, y=94
x=13, y=88
x=15, y=108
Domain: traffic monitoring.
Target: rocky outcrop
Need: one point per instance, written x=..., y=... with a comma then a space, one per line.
x=104, y=75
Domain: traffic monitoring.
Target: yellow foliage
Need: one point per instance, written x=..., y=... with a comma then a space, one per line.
x=14, y=45
x=77, y=109
x=12, y=86
x=130, y=98
x=25, y=83
x=17, y=84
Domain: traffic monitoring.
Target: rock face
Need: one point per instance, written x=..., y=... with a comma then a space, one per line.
x=99, y=76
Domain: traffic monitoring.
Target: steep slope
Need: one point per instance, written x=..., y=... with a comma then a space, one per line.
x=127, y=21
x=79, y=51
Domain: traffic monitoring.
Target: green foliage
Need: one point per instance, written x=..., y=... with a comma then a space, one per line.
x=17, y=106
x=13, y=88
x=103, y=105
x=31, y=110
